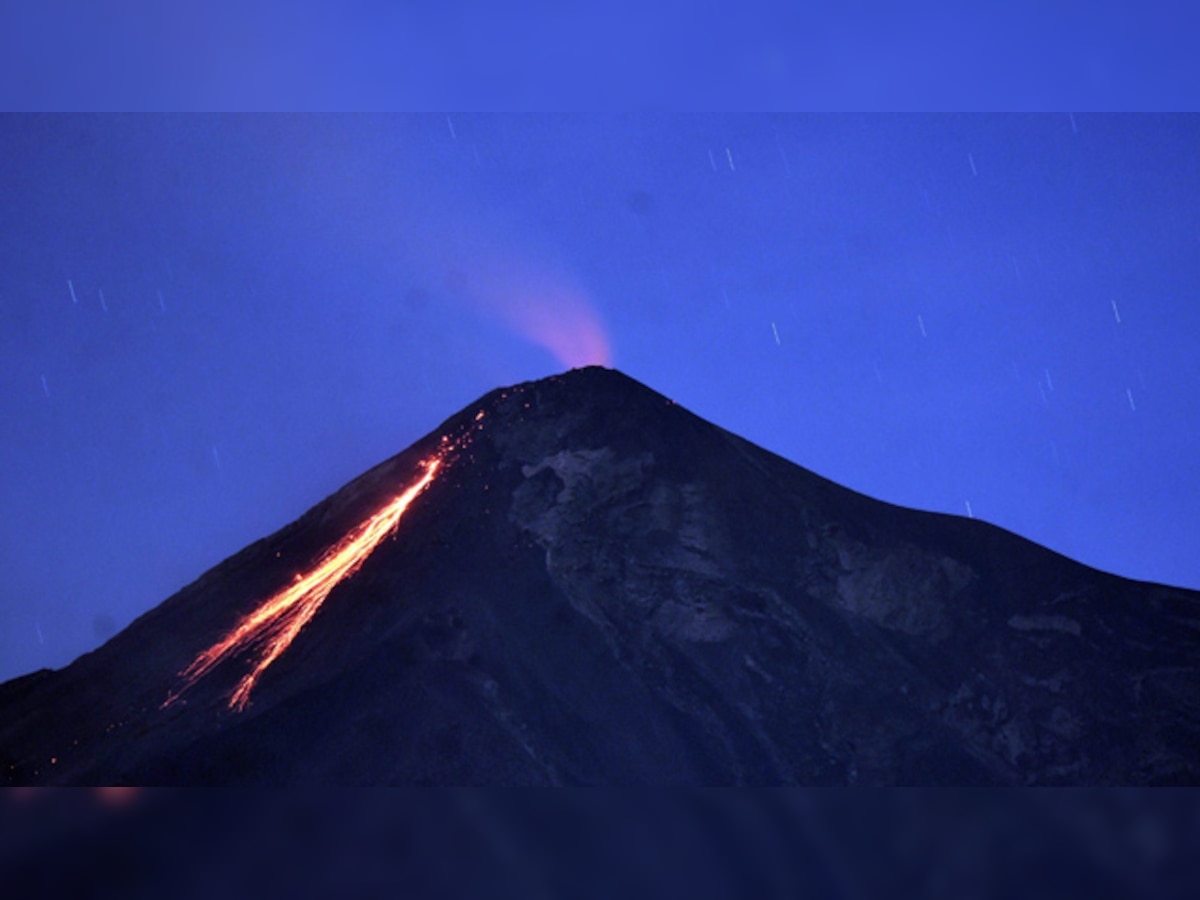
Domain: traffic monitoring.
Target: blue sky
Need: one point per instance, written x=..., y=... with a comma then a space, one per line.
x=212, y=322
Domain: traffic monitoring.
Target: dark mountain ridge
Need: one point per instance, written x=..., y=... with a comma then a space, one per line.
x=599, y=587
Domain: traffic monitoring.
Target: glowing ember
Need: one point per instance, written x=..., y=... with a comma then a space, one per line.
x=271, y=628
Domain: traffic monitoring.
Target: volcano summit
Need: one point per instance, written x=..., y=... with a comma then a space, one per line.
x=576, y=581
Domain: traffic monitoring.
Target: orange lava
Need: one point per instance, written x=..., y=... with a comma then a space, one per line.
x=270, y=629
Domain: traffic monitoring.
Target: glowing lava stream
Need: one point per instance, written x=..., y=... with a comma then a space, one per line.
x=270, y=628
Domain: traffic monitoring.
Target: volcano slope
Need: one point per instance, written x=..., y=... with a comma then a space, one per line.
x=599, y=587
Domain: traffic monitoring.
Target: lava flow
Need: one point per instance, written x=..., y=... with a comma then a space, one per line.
x=269, y=629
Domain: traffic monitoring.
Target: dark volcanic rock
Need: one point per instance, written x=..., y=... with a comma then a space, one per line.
x=602, y=588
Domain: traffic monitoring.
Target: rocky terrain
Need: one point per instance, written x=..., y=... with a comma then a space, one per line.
x=601, y=588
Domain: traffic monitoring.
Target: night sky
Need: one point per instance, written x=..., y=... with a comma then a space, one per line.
x=210, y=323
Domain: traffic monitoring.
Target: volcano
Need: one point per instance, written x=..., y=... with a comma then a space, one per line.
x=577, y=581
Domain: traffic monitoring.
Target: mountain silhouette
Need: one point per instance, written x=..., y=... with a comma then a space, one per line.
x=577, y=581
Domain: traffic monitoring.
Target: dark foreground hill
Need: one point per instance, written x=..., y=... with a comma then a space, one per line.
x=594, y=586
